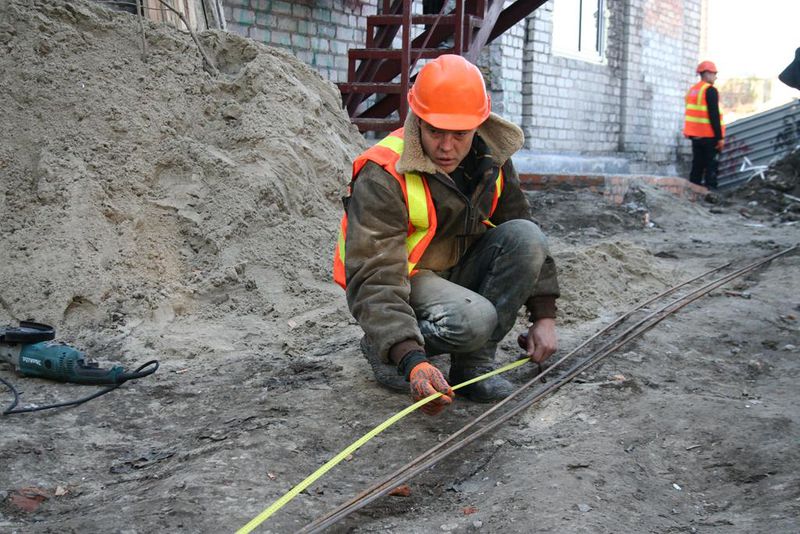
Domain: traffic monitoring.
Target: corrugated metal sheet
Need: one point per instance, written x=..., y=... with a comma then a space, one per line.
x=754, y=142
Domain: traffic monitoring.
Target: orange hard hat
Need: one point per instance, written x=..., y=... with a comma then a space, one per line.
x=706, y=66
x=450, y=94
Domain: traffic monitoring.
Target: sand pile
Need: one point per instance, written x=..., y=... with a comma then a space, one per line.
x=134, y=192
x=153, y=209
x=610, y=271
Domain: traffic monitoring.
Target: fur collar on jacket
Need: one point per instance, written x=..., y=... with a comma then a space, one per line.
x=504, y=139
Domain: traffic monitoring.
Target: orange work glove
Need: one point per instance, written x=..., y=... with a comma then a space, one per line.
x=425, y=381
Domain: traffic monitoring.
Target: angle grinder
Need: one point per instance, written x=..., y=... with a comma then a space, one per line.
x=30, y=348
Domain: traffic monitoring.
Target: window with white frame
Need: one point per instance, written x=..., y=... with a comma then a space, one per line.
x=579, y=29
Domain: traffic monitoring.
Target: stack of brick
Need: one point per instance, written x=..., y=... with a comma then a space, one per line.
x=612, y=187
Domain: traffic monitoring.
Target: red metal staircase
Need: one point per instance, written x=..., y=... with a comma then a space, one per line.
x=378, y=76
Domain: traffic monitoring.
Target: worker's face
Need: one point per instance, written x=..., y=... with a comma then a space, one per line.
x=709, y=77
x=446, y=147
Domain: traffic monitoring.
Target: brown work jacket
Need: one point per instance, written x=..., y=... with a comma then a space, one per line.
x=378, y=284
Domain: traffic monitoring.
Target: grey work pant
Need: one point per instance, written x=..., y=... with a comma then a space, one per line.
x=468, y=310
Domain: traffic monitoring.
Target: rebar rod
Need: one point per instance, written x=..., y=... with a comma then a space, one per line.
x=508, y=399
x=435, y=454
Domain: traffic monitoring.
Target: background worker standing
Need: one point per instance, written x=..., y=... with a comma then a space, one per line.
x=437, y=250
x=705, y=126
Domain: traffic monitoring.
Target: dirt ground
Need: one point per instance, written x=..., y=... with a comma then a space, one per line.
x=152, y=211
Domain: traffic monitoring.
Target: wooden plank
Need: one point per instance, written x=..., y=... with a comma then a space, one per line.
x=157, y=12
x=152, y=10
x=190, y=11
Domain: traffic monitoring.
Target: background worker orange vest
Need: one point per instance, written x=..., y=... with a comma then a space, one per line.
x=697, y=122
x=417, y=196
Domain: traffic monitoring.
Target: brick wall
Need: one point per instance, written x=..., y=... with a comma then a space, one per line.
x=630, y=104
x=612, y=187
x=663, y=47
x=571, y=105
x=318, y=32
x=503, y=61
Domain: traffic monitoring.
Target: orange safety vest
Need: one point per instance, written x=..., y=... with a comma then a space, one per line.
x=697, y=122
x=417, y=196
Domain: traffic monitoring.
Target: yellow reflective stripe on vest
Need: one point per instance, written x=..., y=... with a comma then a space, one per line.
x=498, y=190
x=701, y=94
x=421, y=215
x=418, y=215
x=700, y=97
x=700, y=106
x=393, y=143
x=417, y=212
x=341, y=241
x=417, y=200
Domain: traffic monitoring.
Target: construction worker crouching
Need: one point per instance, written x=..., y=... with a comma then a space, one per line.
x=437, y=250
x=704, y=125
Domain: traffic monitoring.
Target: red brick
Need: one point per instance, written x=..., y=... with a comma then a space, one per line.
x=613, y=187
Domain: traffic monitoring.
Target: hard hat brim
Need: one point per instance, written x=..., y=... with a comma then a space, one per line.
x=449, y=121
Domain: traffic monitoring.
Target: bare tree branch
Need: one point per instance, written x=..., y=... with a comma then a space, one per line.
x=140, y=10
x=209, y=65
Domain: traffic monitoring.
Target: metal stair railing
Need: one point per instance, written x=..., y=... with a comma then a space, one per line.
x=379, y=75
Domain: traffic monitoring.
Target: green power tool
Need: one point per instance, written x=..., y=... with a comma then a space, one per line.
x=30, y=348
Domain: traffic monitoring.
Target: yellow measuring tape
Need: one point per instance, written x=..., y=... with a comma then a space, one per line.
x=291, y=494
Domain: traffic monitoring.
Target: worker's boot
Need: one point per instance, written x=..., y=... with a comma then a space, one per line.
x=385, y=374
x=492, y=389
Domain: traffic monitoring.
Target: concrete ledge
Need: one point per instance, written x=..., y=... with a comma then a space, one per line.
x=613, y=187
x=526, y=161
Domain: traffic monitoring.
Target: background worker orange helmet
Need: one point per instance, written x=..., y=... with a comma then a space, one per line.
x=450, y=94
x=706, y=66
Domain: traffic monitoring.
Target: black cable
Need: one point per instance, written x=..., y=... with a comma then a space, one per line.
x=138, y=373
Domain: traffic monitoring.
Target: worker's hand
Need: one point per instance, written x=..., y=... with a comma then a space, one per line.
x=425, y=381
x=541, y=341
x=720, y=144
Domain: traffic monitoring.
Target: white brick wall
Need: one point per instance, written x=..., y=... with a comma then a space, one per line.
x=318, y=32
x=631, y=104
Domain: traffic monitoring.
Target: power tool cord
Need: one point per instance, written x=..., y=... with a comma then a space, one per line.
x=140, y=372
